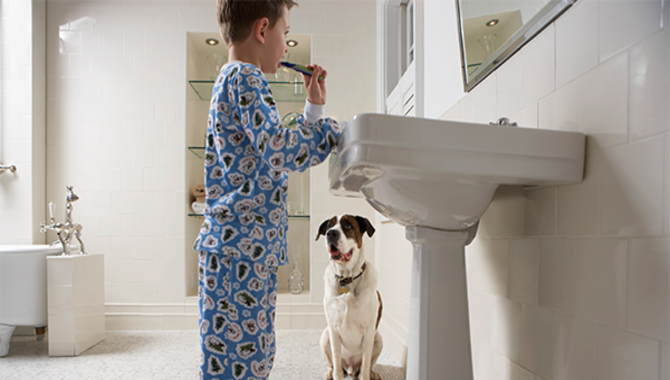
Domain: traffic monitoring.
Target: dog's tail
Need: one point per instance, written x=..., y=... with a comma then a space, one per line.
x=379, y=312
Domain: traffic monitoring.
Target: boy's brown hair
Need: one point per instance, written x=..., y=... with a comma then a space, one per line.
x=236, y=17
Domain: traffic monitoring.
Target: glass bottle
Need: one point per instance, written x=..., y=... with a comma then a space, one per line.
x=296, y=281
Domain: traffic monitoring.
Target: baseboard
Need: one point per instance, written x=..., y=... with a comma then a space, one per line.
x=121, y=317
x=395, y=337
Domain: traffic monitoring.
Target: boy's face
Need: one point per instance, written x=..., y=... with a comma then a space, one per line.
x=275, y=43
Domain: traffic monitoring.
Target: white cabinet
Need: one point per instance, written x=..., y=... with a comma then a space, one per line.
x=398, y=61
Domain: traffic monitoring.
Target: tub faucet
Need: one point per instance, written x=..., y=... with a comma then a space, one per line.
x=65, y=231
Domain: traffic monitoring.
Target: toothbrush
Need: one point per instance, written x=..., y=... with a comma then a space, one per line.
x=301, y=69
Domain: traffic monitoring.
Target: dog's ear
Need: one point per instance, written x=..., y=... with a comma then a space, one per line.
x=322, y=229
x=365, y=225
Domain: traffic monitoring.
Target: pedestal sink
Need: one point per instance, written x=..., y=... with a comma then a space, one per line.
x=436, y=178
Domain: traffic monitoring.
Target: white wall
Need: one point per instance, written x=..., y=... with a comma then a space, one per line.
x=22, y=120
x=116, y=130
x=478, y=8
x=442, y=58
x=344, y=42
x=572, y=282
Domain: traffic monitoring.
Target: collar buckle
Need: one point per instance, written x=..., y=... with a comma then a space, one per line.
x=344, y=281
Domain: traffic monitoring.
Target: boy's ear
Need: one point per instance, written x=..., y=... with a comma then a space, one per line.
x=261, y=28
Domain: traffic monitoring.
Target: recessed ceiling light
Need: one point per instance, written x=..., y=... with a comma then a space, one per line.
x=212, y=41
x=291, y=43
x=492, y=22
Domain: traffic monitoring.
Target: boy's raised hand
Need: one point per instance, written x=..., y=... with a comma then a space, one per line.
x=316, y=89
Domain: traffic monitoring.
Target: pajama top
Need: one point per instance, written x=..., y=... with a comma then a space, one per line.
x=247, y=158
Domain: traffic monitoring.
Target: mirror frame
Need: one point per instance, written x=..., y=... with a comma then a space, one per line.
x=532, y=28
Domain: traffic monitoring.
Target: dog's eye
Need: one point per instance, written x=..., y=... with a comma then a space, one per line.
x=346, y=226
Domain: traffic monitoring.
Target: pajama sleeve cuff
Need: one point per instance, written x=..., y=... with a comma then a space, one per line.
x=313, y=112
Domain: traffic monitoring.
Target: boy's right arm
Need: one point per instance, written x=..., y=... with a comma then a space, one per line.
x=282, y=149
x=316, y=89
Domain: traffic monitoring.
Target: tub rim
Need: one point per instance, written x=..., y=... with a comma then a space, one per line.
x=29, y=248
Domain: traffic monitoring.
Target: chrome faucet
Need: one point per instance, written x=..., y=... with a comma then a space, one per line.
x=65, y=231
x=505, y=122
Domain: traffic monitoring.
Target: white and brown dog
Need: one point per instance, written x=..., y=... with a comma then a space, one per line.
x=351, y=343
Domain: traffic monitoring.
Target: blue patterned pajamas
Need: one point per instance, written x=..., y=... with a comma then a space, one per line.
x=237, y=304
x=248, y=155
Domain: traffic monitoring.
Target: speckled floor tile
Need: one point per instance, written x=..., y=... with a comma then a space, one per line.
x=168, y=355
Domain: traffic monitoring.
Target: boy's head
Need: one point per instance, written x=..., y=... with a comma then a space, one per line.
x=237, y=17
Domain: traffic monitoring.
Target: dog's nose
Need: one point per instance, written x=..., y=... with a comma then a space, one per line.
x=332, y=234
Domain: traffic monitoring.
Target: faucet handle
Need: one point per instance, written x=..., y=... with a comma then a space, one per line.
x=503, y=121
x=52, y=210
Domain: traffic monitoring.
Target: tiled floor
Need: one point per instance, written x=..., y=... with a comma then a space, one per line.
x=164, y=355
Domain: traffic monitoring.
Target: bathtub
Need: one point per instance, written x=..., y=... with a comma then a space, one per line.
x=23, y=288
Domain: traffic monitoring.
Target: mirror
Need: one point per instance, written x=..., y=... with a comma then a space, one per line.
x=492, y=31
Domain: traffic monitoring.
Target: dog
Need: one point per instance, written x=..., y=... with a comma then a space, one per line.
x=351, y=343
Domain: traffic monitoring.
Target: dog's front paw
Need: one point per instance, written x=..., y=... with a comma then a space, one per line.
x=329, y=374
x=374, y=375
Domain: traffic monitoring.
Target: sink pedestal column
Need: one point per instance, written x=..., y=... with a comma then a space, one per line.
x=439, y=328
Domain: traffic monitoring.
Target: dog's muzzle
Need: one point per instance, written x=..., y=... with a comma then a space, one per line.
x=333, y=239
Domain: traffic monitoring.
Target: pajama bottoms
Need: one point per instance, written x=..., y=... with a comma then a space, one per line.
x=237, y=311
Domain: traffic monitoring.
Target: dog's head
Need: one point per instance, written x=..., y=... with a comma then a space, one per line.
x=344, y=236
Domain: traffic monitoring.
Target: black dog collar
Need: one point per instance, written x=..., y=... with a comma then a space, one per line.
x=344, y=281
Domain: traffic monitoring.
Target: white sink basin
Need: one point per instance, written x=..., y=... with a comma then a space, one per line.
x=437, y=178
x=442, y=174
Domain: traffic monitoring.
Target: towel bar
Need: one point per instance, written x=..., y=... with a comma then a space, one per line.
x=11, y=168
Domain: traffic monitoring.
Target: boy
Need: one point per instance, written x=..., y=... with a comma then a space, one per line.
x=248, y=154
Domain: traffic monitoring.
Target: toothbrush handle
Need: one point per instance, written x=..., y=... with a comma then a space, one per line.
x=304, y=70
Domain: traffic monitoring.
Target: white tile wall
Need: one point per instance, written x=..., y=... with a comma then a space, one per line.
x=649, y=90
x=556, y=274
x=487, y=266
x=621, y=356
x=540, y=212
x=538, y=62
x=648, y=283
x=522, y=264
x=574, y=347
x=601, y=281
x=510, y=87
x=22, y=115
x=506, y=327
x=576, y=42
x=623, y=23
x=630, y=197
x=536, y=348
x=577, y=205
x=604, y=121
x=527, y=117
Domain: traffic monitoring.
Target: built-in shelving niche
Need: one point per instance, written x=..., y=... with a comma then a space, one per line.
x=290, y=91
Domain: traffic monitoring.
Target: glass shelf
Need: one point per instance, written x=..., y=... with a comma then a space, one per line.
x=198, y=151
x=282, y=91
x=290, y=216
